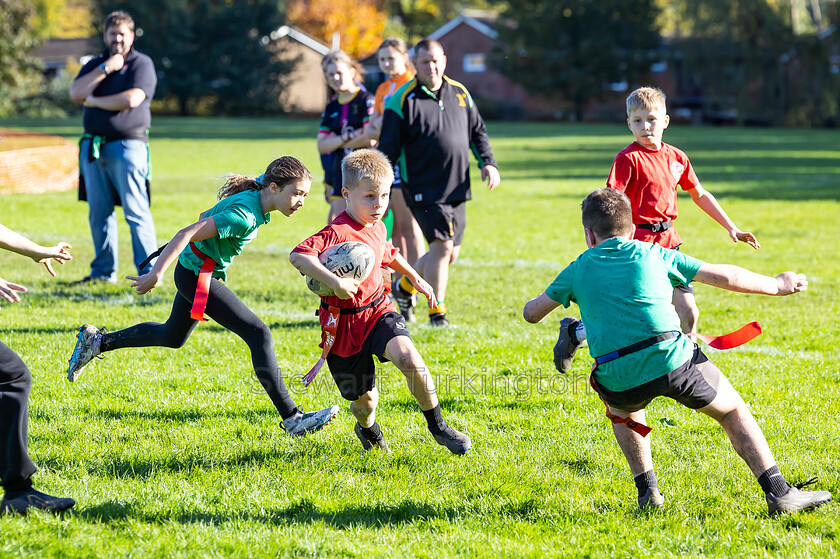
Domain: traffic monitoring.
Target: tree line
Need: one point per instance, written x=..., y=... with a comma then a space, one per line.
x=747, y=61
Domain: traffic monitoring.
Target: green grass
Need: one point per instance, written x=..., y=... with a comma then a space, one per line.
x=179, y=453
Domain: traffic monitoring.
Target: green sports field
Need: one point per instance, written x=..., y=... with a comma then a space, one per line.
x=180, y=453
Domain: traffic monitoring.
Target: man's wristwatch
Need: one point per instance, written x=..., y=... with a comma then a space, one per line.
x=104, y=69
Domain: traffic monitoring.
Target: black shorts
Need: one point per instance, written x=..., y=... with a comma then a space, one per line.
x=442, y=222
x=694, y=384
x=356, y=375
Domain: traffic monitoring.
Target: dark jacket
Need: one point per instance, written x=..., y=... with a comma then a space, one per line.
x=429, y=137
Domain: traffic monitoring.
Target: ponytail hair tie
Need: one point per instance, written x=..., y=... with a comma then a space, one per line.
x=259, y=179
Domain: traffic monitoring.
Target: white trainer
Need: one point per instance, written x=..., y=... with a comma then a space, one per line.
x=87, y=347
x=304, y=423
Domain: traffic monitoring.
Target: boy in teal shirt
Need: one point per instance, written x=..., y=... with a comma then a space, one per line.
x=623, y=288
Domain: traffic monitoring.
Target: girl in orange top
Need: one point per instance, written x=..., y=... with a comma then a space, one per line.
x=394, y=62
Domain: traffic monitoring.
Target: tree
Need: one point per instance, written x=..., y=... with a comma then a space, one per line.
x=360, y=23
x=572, y=50
x=214, y=50
x=420, y=18
x=23, y=26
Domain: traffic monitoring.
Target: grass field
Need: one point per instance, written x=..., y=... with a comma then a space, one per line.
x=180, y=454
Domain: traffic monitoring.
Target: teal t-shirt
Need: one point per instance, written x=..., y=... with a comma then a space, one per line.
x=237, y=219
x=624, y=289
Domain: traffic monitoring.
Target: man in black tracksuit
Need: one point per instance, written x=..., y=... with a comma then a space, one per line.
x=430, y=125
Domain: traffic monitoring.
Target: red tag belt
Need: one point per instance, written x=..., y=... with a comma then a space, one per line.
x=328, y=336
x=202, y=288
x=726, y=341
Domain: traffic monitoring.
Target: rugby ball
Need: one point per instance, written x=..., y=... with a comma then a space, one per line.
x=352, y=259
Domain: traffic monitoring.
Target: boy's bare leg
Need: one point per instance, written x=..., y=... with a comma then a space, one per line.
x=405, y=357
x=635, y=447
x=729, y=409
x=402, y=353
x=364, y=409
x=687, y=310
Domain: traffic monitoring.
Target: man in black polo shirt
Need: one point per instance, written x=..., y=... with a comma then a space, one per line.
x=116, y=89
x=429, y=127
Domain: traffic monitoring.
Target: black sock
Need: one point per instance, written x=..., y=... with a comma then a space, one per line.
x=773, y=482
x=435, y=420
x=372, y=433
x=15, y=490
x=644, y=481
x=294, y=412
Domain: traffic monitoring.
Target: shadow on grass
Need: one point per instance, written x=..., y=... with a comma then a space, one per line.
x=305, y=511
x=301, y=512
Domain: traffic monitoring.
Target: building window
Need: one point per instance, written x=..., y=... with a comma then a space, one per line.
x=474, y=62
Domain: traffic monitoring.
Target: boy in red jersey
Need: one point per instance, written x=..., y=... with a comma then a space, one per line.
x=648, y=171
x=368, y=323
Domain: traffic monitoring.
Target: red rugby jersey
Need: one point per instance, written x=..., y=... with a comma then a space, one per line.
x=650, y=179
x=353, y=329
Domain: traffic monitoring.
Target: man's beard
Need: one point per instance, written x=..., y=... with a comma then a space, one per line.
x=118, y=48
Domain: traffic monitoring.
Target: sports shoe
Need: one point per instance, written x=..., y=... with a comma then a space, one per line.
x=88, y=342
x=87, y=280
x=565, y=348
x=652, y=499
x=35, y=500
x=438, y=320
x=404, y=300
x=455, y=441
x=367, y=443
x=309, y=422
x=795, y=499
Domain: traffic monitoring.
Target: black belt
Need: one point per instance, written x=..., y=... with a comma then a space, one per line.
x=356, y=310
x=638, y=346
x=656, y=227
x=152, y=255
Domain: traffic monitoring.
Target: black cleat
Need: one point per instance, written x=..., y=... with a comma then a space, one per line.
x=652, y=499
x=567, y=344
x=455, y=441
x=796, y=499
x=404, y=300
x=367, y=443
x=35, y=500
x=438, y=320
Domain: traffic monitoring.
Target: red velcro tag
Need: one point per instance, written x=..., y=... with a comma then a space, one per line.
x=640, y=428
x=727, y=341
x=202, y=288
x=328, y=336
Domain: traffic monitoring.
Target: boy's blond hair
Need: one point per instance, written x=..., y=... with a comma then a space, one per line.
x=367, y=164
x=645, y=98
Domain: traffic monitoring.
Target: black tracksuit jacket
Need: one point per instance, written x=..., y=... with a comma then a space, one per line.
x=429, y=137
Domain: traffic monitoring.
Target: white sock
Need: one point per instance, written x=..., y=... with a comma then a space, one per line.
x=580, y=332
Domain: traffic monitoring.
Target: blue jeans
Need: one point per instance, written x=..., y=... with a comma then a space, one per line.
x=118, y=174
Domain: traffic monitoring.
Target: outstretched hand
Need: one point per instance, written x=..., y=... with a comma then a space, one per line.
x=744, y=237
x=144, y=283
x=9, y=291
x=59, y=253
x=791, y=282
